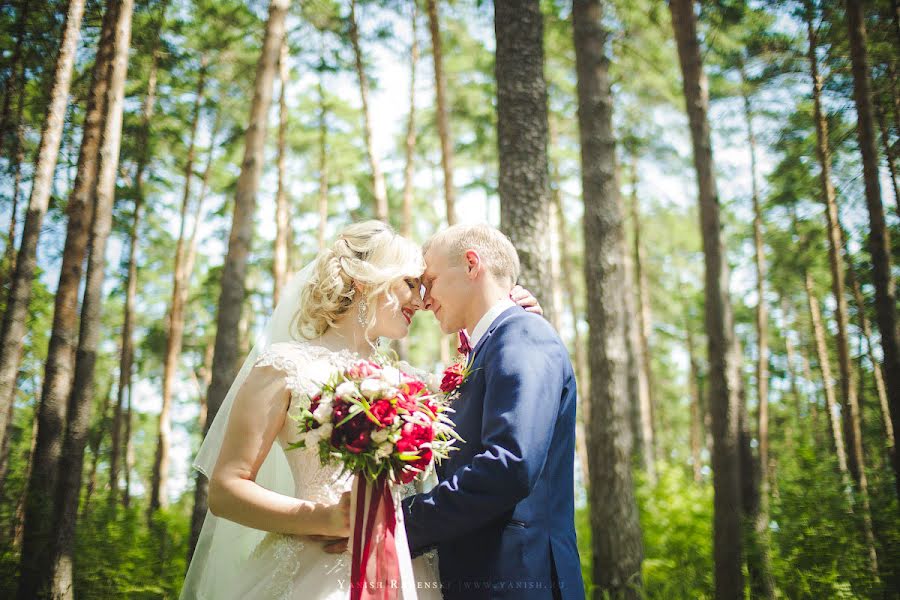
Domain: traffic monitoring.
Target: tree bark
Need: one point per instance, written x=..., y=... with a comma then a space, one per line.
x=14, y=327
x=443, y=113
x=231, y=298
x=879, y=236
x=175, y=317
x=379, y=191
x=95, y=442
x=522, y=139
x=723, y=397
x=82, y=397
x=282, y=222
x=58, y=370
x=616, y=534
x=649, y=451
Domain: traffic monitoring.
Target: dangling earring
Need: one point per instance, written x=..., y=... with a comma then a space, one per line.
x=363, y=312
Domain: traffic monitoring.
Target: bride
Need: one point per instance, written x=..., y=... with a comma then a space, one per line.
x=275, y=515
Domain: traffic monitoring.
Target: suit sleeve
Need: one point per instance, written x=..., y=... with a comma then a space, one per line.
x=524, y=379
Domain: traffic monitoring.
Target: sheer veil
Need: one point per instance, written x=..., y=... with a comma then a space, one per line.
x=223, y=545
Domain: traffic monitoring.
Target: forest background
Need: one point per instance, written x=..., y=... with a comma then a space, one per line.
x=704, y=197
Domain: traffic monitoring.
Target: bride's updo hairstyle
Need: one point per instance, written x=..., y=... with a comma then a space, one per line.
x=367, y=258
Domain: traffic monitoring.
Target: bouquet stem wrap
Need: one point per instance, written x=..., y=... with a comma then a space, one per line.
x=380, y=567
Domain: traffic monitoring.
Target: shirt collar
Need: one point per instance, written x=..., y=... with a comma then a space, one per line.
x=487, y=320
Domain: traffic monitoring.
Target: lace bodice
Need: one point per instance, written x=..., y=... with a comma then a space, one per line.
x=306, y=367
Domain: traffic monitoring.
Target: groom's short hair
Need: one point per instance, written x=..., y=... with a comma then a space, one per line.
x=493, y=247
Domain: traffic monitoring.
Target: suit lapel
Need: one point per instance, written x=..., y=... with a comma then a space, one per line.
x=502, y=317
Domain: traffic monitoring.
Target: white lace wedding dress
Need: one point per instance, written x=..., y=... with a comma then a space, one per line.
x=291, y=567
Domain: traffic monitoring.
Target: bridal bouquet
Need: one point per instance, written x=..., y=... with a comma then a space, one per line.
x=386, y=427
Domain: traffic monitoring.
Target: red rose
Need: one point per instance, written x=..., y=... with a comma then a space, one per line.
x=413, y=435
x=414, y=387
x=453, y=378
x=412, y=469
x=359, y=443
x=384, y=411
x=340, y=410
x=433, y=406
x=405, y=402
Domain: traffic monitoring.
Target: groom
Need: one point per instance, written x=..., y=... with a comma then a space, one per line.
x=502, y=516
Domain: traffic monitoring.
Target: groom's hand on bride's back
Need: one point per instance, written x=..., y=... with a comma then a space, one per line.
x=526, y=300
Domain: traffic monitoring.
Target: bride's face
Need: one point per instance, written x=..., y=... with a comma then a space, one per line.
x=393, y=321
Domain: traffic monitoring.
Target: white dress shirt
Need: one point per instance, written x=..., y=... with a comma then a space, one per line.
x=488, y=319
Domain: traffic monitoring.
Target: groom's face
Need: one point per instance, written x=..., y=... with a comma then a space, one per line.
x=446, y=289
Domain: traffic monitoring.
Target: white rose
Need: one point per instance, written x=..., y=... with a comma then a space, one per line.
x=391, y=375
x=345, y=389
x=371, y=387
x=384, y=450
x=323, y=412
x=381, y=435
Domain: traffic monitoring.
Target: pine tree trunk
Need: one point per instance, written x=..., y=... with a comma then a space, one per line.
x=879, y=237
x=522, y=139
x=323, y=163
x=82, y=398
x=129, y=450
x=694, y=390
x=14, y=326
x=616, y=534
x=126, y=354
x=58, y=370
x=723, y=397
x=410, y=147
x=379, y=191
x=175, y=324
x=762, y=583
x=649, y=450
x=888, y=152
x=825, y=367
x=231, y=298
x=567, y=269
x=282, y=223
x=443, y=112
x=95, y=441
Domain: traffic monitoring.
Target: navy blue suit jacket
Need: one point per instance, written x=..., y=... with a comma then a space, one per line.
x=502, y=516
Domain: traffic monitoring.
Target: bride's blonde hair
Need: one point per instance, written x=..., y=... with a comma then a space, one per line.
x=367, y=256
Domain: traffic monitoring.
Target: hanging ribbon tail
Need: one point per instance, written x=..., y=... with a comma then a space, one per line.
x=381, y=567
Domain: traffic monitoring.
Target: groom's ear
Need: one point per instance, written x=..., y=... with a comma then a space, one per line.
x=473, y=264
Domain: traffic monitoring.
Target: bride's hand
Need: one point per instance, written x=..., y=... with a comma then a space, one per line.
x=335, y=519
x=526, y=300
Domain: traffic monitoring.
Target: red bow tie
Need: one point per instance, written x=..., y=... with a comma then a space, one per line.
x=464, y=346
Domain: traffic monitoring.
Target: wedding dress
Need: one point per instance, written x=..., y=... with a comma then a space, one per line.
x=247, y=564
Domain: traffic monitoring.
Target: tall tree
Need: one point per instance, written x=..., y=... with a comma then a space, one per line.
x=615, y=532
x=379, y=191
x=443, y=112
x=641, y=315
x=234, y=272
x=81, y=401
x=282, y=223
x=879, y=236
x=175, y=316
x=58, y=369
x=723, y=371
x=12, y=333
x=762, y=582
x=522, y=138
x=126, y=350
x=14, y=83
